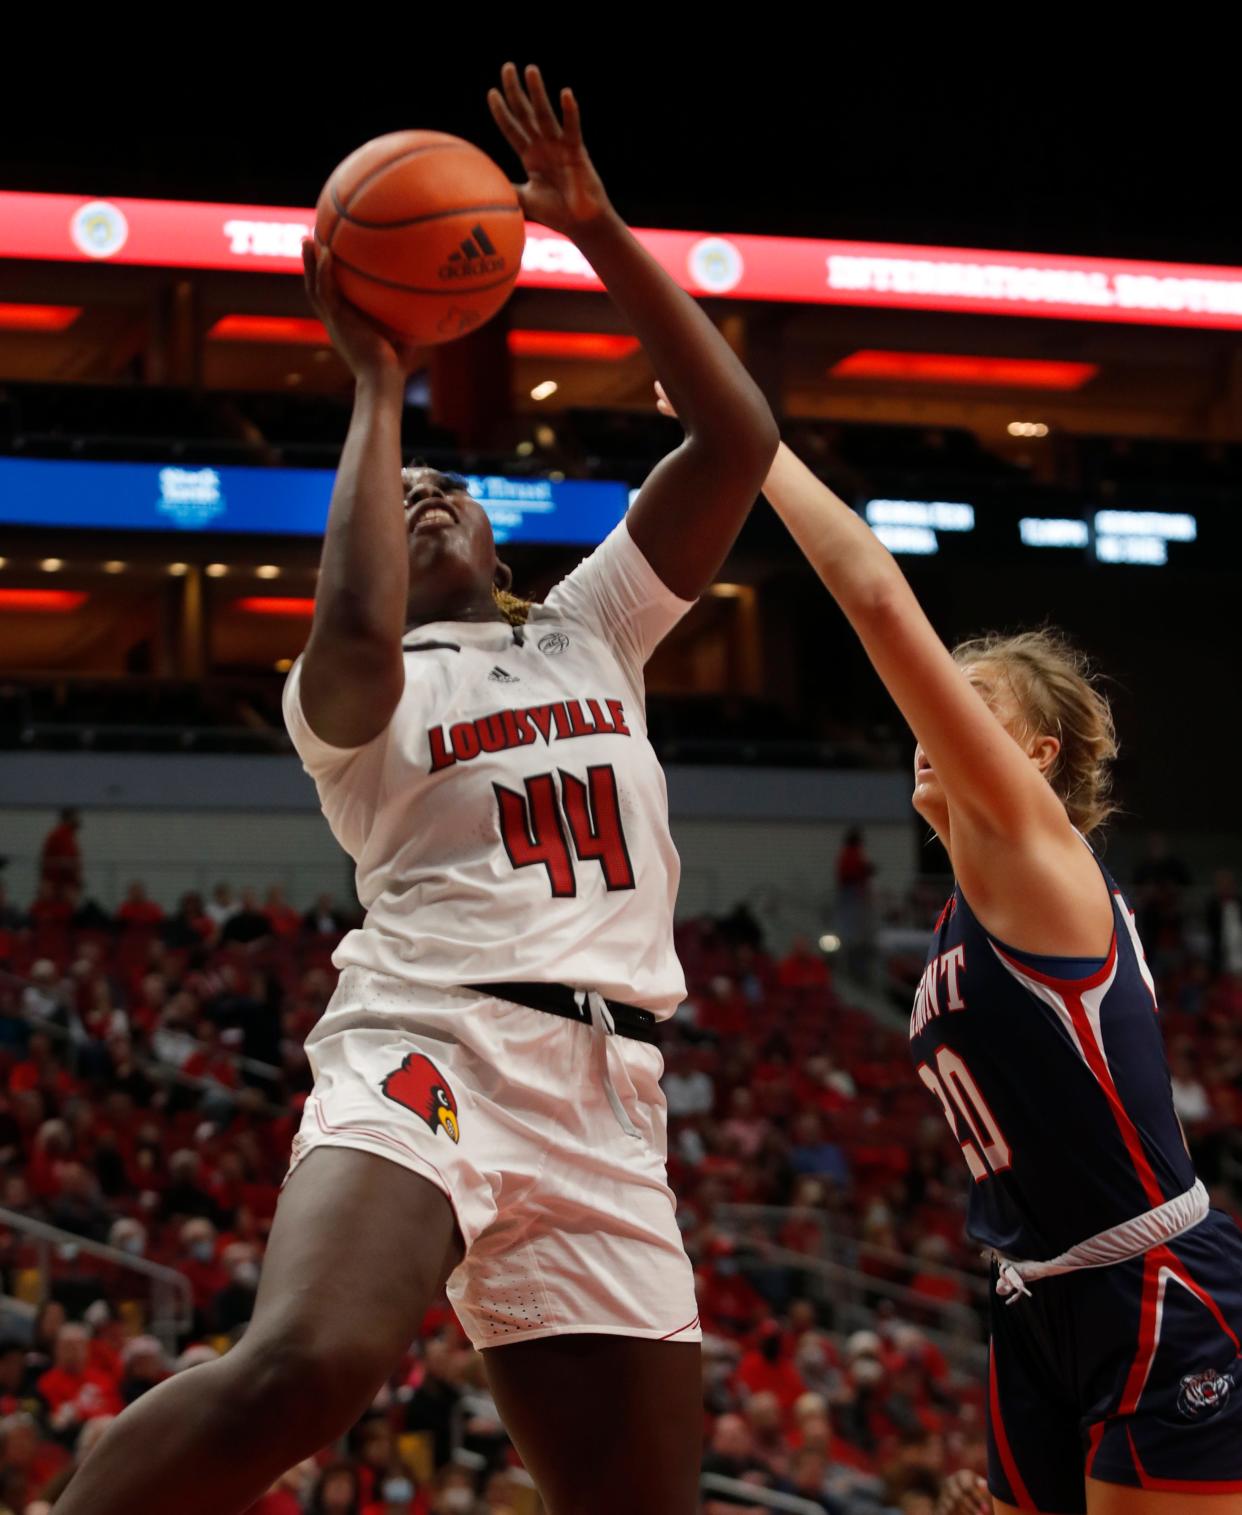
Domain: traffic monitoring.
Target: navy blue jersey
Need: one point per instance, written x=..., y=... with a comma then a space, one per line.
x=1052, y=1075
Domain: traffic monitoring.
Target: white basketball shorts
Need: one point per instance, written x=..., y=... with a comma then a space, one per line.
x=548, y=1137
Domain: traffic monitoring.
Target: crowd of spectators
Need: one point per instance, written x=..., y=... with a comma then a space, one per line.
x=151, y=1077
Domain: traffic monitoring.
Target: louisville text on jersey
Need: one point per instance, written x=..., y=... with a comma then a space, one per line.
x=559, y=721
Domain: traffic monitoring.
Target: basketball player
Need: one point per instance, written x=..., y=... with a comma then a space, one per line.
x=486, y=1107
x=1115, y=1382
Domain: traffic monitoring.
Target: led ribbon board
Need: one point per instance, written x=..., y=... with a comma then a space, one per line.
x=799, y=270
x=274, y=501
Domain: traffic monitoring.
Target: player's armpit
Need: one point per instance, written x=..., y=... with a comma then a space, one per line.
x=1042, y=892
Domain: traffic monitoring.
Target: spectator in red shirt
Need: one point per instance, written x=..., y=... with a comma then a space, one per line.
x=802, y=967
x=48, y=1155
x=88, y=1439
x=99, y=1013
x=755, y=974
x=61, y=862
x=78, y=1206
x=211, y=1060
x=143, y=1365
x=745, y=1128
x=723, y=1011
x=729, y=1302
x=137, y=911
x=822, y=1084
x=281, y=916
x=853, y=913
x=337, y=1491
x=50, y=908
x=766, y=1368
x=12, y=1376
x=854, y=867
x=766, y=1421
x=73, y=1391
x=247, y=923
x=50, y=923
x=324, y=919
x=234, y=1305
x=39, y=1069
x=189, y=1195
x=49, y=1318
x=191, y=926
x=197, y=1260
x=730, y=1452
x=11, y=922
x=26, y=1462
x=935, y=1253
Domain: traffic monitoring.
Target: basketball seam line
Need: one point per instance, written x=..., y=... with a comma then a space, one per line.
x=407, y=152
x=431, y=215
x=419, y=289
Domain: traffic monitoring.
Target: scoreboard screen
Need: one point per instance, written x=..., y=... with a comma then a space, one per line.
x=1195, y=535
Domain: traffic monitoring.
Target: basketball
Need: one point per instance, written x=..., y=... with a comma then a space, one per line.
x=425, y=231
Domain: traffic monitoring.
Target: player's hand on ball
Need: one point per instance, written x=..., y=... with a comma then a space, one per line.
x=965, y=1494
x=364, y=344
x=562, y=190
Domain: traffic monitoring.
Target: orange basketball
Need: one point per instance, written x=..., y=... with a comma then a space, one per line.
x=425, y=231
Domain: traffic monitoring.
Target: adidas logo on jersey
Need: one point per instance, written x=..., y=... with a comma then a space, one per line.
x=499, y=676
x=474, y=256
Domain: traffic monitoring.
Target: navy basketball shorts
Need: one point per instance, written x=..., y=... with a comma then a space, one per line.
x=1130, y=1374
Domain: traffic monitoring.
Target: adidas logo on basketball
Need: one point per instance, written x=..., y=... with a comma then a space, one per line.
x=475, y=256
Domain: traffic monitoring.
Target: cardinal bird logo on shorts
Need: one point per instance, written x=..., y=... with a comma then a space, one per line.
x=420, y=1086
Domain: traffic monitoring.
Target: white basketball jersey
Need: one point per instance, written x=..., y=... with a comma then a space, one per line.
x=511, y=821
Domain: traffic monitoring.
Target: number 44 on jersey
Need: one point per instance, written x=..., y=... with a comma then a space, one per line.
x=557, y=811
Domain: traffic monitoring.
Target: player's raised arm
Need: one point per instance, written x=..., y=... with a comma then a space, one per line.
x=694, y=502
x=984, y=772
x=352, y=673
x=988, y=779
x=1000, y=808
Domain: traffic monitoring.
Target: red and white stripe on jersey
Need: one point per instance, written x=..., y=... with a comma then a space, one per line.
x=1140, y=957
x=1077, y=1004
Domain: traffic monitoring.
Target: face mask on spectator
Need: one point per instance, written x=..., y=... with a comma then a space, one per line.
x=133, y=1245
x=202, y=1251
x=398, y=1489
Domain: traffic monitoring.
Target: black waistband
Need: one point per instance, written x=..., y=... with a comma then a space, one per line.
x=559, y=999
